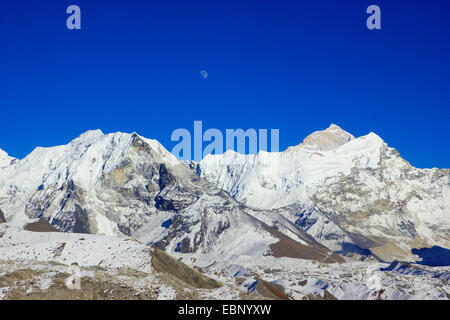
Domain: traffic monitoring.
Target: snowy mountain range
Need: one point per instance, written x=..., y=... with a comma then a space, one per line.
x=124, y=184
x=332, y=200
x=343, y=191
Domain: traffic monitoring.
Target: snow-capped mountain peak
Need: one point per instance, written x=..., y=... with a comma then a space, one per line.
x=123, y=183
x=328, y=139
x=343, y=189
x=337, y=188
x=89, y=136
x=332, y=196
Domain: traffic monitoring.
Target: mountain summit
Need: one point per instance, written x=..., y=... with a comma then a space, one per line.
x=343, y=191
x=328, y=139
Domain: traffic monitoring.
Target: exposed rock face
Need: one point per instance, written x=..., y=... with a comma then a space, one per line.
x=162, y=262
x=40, y=226
x=343, y=191
x=125, y=184
x=2, y=217
x=328, y=139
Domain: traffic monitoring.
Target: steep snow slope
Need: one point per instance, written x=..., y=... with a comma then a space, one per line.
x=344, y=192
x=48, y=179
x=5, y=160
x=276, y=179
x=125, y=184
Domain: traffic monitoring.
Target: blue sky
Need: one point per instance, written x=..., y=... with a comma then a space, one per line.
x=293, y=65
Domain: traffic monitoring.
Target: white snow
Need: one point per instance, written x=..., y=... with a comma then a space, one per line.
x=166, y=293
x=349, y=281
x=5, y=159
x=331, y=171
x=68, y=248
x=336, y=173
x=84, y=161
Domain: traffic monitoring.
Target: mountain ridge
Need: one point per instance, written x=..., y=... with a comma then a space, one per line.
x=340, y=195
x=125, y=184
x=295, y=184
x=320, y=219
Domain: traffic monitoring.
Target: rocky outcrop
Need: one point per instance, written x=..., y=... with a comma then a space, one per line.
x=326, y=140
x=2, y=217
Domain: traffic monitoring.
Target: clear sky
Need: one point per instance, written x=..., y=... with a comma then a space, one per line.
x=293, y=65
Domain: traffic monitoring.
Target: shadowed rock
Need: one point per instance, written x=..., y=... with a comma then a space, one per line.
x=164, y=263
x=2, y=217
x=40, y=226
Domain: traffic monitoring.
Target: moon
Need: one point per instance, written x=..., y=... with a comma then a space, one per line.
x=204, y=74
